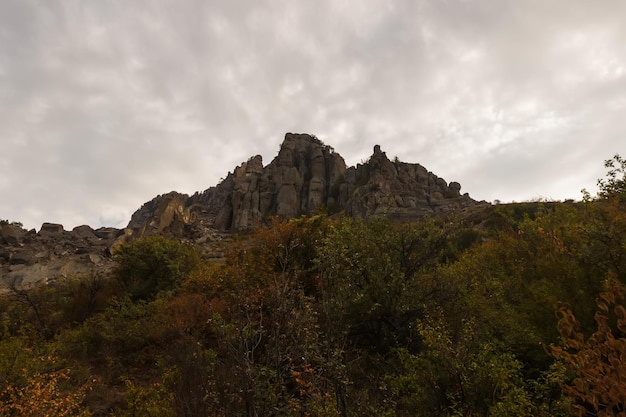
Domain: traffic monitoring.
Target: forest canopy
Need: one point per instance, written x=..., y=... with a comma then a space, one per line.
x=510, y=310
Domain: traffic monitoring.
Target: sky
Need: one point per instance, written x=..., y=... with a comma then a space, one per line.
x=106, y=104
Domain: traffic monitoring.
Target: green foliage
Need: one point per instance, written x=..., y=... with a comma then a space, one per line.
x=150, y=265
x=152, y=400
x=457, y=372
x=270, y=341
x=190, y=375
x=377, y=276
x=602, y=237
x=319, y=317
x=615, y=183
x=44, y=310
x=126, y=335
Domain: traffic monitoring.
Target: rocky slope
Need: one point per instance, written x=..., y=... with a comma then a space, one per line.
x=305, y=177
x=30, y=257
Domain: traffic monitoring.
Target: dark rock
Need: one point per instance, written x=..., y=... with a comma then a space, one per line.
x=51, y=230
x=304, y=177
x=454, y=190
x=398, y=190
x=107, y=233
x=5, y=255
x=22, y=256
x=84, y=232
x=298, y=181
x=11, y=234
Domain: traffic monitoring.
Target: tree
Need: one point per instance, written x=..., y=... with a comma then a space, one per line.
x=153, y=400
x=272, y=356
x=598, y=362
x=459, y=374
x=45, y=393
x=150, y=265
x=615, y=183
x=377, y=276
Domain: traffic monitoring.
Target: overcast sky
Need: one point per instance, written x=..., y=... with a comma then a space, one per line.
x=105, y=104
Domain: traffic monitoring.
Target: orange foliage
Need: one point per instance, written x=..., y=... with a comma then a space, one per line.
x=599, y=361
x=44, y=395
x=189, y=311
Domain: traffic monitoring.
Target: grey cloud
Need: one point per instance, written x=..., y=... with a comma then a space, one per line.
x=106, y=104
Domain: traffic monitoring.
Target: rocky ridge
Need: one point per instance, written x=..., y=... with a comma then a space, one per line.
x=30, y=257
x=305, y=177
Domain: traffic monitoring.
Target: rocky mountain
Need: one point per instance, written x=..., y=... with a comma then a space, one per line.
x=305, y=177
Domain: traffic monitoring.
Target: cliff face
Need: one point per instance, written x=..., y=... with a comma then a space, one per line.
x=398, y=190
x=297, y=181
x=304, y=177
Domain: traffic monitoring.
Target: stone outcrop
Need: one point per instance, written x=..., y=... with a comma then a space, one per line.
x=172, y=215
x=30, y=257
x=11, y=234
x=303, y=178
x=166, y=214
x=298, y=181
x=399, y=190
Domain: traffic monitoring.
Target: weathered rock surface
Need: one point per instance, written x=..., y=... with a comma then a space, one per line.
x=398, y=190
x=298, y=181
x=164, y=215
x=29, y=257
x=11, y=234
x=303, y=178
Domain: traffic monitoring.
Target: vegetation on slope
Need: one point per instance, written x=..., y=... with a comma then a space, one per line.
x=514, y=311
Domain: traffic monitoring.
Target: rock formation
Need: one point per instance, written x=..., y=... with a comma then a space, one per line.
x=298, y=181
x=305, y=177
x=398, y=190
x=29, y=257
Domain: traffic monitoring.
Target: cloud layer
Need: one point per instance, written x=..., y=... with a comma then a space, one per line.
x=105, y=104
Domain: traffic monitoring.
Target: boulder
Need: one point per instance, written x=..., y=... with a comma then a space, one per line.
x=51, y=230
x=454, y=189
x=84, y=232
x=95, y=258
x=11, y=234
x=106, y=233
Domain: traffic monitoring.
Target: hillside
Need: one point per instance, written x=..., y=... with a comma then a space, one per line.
x=499, y=310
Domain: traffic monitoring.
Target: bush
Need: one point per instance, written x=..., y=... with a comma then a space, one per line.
x=153, y=264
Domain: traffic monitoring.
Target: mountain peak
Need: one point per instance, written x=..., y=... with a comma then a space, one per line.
x=306, y=176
